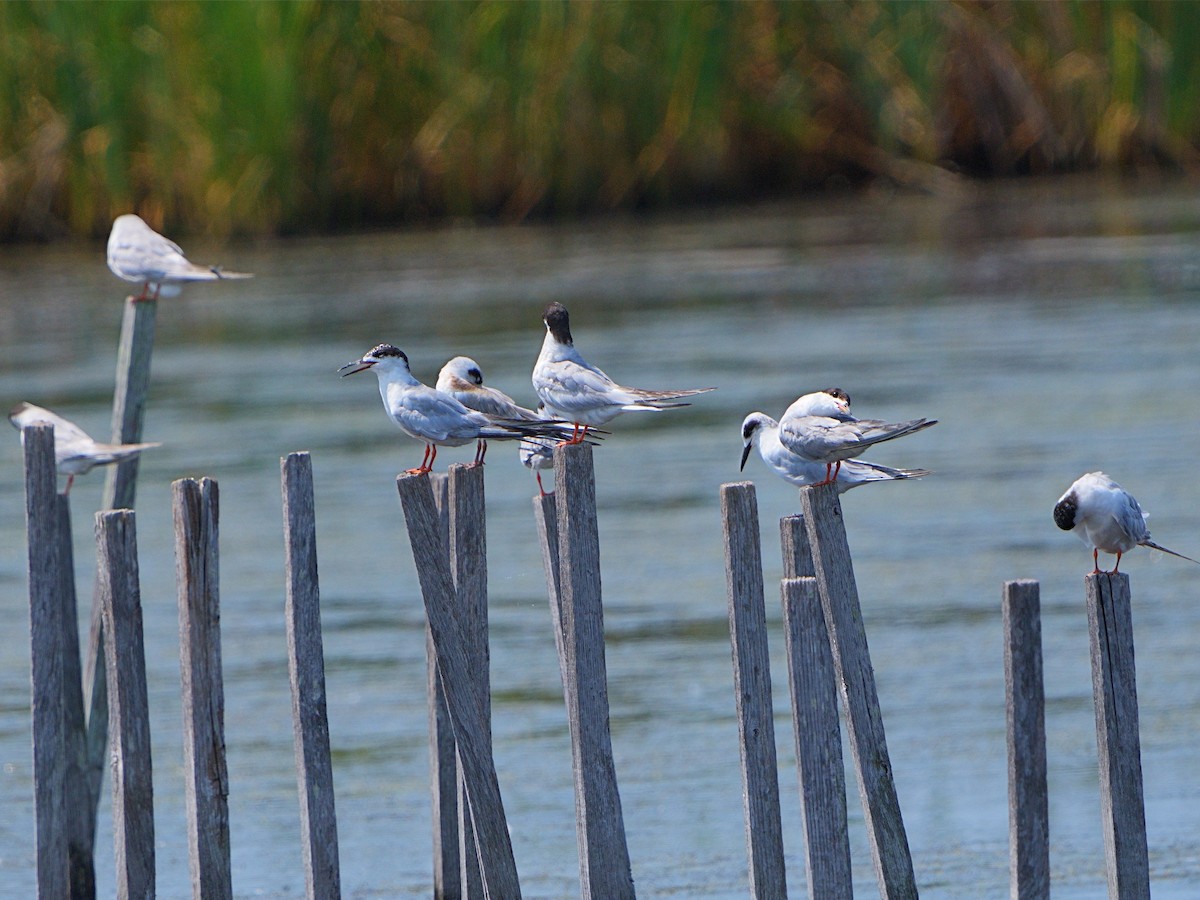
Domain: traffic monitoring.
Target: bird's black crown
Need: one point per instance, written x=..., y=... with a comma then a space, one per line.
x=558, y=322
x=1064, y=512
x=383, y=351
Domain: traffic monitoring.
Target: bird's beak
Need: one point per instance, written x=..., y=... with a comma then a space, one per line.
x=362, y=364
x=745, y=455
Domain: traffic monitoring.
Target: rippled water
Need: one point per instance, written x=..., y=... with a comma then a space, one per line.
x=1052, y=328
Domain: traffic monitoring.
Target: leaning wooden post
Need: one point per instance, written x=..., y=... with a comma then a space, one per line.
x=120, y=486
x=80, y=834
x=133, y=793
x=604, y=869
x=1028, y=807
x=462, y=698
x=443, y=761
x=46, y=657
x=206, y=778
x=468, y=565
x=1114, y=686
x=856, y=680
x=306, y=668
x=752, y=690
x=815, y=724
x=545, y=516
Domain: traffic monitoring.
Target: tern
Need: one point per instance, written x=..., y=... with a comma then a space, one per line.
x=462, y=378
x=434, y=417
x=819, y=428
x=1106, y=517
x=138, y=253
x=577, y=392
x=761, y=431
x=75, y=453
x=537, y=454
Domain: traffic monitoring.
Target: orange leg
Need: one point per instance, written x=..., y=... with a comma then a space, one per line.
x=426, y=461
x=1095, y=561
x=1118, y=565
x=541, y=489
x=480, y=452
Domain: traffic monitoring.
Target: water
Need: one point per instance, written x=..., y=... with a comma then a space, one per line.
x=1052, y=328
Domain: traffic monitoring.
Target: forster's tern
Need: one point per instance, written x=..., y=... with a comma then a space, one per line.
x=75, y=453
x=138, y=253
x=462, y=379
x=1106, y=517
x=831, y=434
x=580, y=393
x=537, y=454
x=761, y=431
x=435, y=418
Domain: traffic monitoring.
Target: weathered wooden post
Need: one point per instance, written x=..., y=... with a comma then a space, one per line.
x=1114, y=686
x=462, y=698
x=752, y=690
x=815, y=725
x=443, y=760
x=604, y=869
x=306, y=669
x=1028, y=806
x=133, y=793
x=47, y=627
x=206, y=778
x=860, y=699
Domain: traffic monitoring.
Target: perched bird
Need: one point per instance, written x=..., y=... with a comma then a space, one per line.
x=463, y=380
x=75, y=453
x=819, y=428
x=138, y=253
x=580, y=393
x=434, y=417
x=1106, y=517
x=537, y=454
x=761, y=431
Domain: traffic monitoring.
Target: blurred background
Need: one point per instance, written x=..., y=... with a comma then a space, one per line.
x=983, y=213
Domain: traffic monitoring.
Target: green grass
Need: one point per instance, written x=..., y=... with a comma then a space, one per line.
x=306, y=115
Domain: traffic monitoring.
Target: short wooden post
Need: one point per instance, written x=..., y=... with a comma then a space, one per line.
x=443, y=760
x=1114, y=686
x=604, y=868
x=80, y=834
x=133, y=793
x=47, y=627
x=120, y=486
x=860, y=699
x=1028, y=806
x=462, y=698
x=206, y=778
x=752, y=690
x=306, y=668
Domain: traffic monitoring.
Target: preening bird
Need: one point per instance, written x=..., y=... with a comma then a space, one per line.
x=462, y=379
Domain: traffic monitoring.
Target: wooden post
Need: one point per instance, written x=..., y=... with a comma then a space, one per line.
x=80, y=824
x=468, y=565
x=752, y=690
x=815, y=726
x=46, y=656
x=120, y=486
x=856, y=681
x=545, y=516
x=604, y=869
x=462, y=698
x=443, y=760
x=306, y=668
x=1028, y=806
x=1114, y=686
x=133, y=793
x=206, y=778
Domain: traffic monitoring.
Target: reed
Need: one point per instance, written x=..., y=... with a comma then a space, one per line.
x=277, y=117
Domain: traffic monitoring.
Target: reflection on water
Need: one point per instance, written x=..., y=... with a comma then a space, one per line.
x=1051, y=329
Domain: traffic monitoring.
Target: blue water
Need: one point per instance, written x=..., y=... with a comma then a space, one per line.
x=1052, y=328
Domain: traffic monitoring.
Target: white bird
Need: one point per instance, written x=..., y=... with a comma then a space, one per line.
x=761, y=431
x=537, y=454
x=75, y=453
x=462, y=378
x=434, y=417
x=580, y=393
x=820, y=428
x=1106, y=517
x=138, y=253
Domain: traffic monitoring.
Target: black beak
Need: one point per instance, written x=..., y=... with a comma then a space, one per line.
x=745, y=455
x=361, y=363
